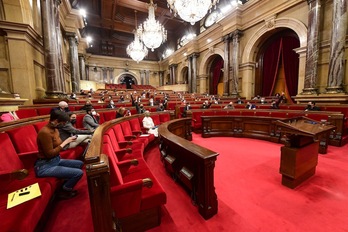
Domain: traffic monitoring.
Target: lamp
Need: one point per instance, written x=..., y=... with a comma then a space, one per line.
x=151, y=32
x=136, y=50
x=191, y=10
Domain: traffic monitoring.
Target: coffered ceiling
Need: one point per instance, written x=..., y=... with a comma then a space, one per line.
x=110, y=23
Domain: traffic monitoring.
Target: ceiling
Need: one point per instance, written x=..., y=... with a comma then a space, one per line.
x=110, y=23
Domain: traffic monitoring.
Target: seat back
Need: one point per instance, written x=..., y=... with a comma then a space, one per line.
x=8, y=155
x=126, y=128
x=115, y=174
x=24, y=139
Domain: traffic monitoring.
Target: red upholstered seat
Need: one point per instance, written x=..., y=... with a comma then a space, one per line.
x=27, y=113
x=24, y=139
x=109, y=115
x=38, y=126
x=122, y=140
x=44, y=110
x=156, y=119
x=23, y=217
x=127, y=131
x=164, y=117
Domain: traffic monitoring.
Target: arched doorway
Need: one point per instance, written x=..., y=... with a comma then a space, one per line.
x=128, y=80
x=184, y=75
x=278, y=64
x=216, y=73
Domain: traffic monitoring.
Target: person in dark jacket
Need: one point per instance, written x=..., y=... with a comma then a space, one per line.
x=68, y=130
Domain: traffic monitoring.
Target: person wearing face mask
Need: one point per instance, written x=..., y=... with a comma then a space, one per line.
x=111, y=105
x=49, y=163
x=91, y=119
x=67, y=130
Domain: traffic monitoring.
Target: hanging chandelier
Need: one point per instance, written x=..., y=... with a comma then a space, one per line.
x=191, y=10
x=136, y=50
x=151, y=32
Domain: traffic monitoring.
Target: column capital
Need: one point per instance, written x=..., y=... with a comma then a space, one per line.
x=311, y=1
x=193, y=55
x=236, y=34
x=226, y=38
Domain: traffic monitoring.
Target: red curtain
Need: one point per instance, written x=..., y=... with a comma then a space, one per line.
x=281, y=50
x=291, y=64
x=216, y=75
x=271, y=59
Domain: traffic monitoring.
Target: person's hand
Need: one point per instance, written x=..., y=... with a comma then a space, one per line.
x=68, y=140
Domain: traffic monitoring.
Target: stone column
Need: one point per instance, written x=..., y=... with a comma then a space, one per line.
x=111, y=74
x=193, y=59
x=87, y=72
x=161, y=78
x=82, y=67
x=147, y=77
x=51, y=30
x=233, y=87
x=142, y=76
x=105, y=75
x=189, y=75
x=74, y=62
x=175, y=66
x=338, y=42
x=314, y=15
x=226, y=40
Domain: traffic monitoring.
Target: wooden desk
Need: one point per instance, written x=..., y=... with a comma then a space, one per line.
x=299, y=155
x=193, y=165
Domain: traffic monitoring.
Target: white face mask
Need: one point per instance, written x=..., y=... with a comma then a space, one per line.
x=94, y=113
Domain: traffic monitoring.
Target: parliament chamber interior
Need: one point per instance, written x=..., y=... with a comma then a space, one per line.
x=208, y=115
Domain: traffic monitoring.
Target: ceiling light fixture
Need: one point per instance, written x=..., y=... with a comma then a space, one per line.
x=191, y=10
x=151, y=32
x=136, y=50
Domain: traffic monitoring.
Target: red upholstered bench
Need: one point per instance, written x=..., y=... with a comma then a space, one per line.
x=136, y=195
x=13, y=176
x=26, y=113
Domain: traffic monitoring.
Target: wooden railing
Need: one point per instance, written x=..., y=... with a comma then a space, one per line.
x=193, y=165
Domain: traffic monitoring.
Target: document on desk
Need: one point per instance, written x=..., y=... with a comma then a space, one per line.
x=22, y=195
x=144, y=135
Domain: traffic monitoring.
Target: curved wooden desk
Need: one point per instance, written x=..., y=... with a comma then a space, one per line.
x=193, y=165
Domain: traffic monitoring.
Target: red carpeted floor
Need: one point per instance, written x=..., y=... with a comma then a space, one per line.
x=250, y=194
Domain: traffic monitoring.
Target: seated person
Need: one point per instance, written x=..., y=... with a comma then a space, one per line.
x=274, y=105
x=8, y=116
x=206, y=105
x=91, y=119
x=62, y=106
x=111, y=105
x=263, y=100
x=239, y=101
x=88, y=104
x=229, y=106
x=140, y=108
x=250, y=106
x=186, y=108
x=73, y=96
x=122, y=112
x=149, y=125
x=49, y=163
x=67, y=130
x=312, y=107
x=160, y=107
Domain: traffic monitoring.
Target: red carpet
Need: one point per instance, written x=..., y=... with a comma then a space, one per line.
x=250, y=194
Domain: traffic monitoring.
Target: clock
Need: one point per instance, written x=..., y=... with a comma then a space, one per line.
x=211, y=19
